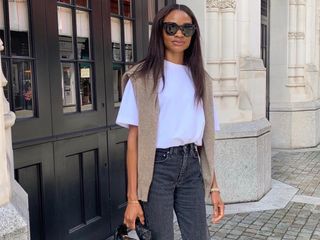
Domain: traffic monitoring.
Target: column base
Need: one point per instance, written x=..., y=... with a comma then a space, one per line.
x=14, y=216
x=295, y=125
x=243, y=160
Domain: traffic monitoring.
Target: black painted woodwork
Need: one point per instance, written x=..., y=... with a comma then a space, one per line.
x=73, y=165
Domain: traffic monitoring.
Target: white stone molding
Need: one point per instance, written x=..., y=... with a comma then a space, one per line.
x=221, y=4
x=213, y=4
x=297, y=2
x=5, y=186
x=297, y=52
x=296, y=35
x=228, y=4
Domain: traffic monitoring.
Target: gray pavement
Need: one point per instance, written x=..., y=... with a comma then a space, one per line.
x=299, y=218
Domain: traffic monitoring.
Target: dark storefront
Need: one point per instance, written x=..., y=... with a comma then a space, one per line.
x=63, y=61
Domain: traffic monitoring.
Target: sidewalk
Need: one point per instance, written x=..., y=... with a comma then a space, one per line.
x=291, y=210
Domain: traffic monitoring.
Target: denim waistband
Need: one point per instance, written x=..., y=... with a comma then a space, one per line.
x=187, y=148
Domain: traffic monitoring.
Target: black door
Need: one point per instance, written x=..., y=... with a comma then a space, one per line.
x=64, y=66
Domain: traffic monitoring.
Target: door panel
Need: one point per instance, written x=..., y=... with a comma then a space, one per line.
x=82, y=187
x=117, y=145
x=34, y=172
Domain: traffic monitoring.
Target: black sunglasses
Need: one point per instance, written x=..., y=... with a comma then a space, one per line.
x=187, y=29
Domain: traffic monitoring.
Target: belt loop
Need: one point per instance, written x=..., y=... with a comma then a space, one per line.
x=171, y=150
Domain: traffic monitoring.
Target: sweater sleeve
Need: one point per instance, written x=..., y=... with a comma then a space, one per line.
x=128, y=112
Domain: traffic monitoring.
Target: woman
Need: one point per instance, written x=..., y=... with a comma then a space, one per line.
x=168, y=107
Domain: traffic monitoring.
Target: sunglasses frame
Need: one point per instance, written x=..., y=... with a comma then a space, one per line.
x=179, y=27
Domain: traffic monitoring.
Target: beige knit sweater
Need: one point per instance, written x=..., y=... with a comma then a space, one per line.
x=148, y=109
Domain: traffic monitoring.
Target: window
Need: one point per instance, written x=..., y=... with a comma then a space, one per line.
x=77, y=62
x=153, y=7
x=17, y=58
x=122, y=37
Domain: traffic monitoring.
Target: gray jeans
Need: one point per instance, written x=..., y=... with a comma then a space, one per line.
x=177, y=185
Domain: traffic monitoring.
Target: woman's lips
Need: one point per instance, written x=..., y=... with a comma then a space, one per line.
x=178, y=43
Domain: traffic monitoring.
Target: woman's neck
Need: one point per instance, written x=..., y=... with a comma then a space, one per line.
x=176, y=58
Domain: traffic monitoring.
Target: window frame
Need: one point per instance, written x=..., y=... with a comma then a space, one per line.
x=24, y=128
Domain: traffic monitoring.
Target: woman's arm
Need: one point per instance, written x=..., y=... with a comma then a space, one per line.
x=132, y=163
x=133, y=209
x=218, y=205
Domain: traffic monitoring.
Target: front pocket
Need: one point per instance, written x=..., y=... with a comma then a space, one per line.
x=162, y=156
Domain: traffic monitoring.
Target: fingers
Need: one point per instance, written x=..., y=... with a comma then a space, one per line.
x=130, y=223
x=218, y=213
x=131, y=214
x=141, y=217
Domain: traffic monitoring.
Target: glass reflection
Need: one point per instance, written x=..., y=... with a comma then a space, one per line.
x=65, y=1
x=86, y=86
x=22, y=88
x=65, y=33
x=127, y=8
x=128, y=33
x=117, y=73
x=2, y=22
x=69, y=99
x=19, y=28
x=82, y=3
x=115, y=7
x=83, y=33
x=116, y=39
x=151, y=10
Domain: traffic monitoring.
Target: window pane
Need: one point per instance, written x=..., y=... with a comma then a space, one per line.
x=117, y=73
x=115, y=7
x=127, y=8
x=128, y=33
x=83, y=34
x=65, y=1
x=161, y=4
x=2, y=23
x=4, y=70
x=116, y=39
x=68, y=83
x=19, y=28
x=22, y=88
x=86, y=94
x=151, y=10
x=82, y=3
x=65, y=33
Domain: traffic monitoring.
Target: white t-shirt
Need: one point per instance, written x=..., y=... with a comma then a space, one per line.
x=181, y=120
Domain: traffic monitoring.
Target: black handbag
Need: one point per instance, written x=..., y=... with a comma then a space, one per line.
x=122, y=233
x=142, y=231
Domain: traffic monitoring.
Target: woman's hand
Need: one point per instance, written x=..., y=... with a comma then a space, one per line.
x=133, y=211
x=218, y=207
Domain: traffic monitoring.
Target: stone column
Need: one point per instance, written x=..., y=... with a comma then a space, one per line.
x=14, y=216
x=294, y=79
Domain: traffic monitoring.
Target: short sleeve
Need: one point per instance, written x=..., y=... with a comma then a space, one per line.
x=128, y=112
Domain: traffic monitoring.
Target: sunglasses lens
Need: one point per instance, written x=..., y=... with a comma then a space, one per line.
x=171, y=28
x=188, y=30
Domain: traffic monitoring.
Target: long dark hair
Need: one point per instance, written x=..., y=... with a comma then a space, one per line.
x=154, y=61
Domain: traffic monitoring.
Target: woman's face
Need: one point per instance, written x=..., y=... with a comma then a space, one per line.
x=177, y=43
